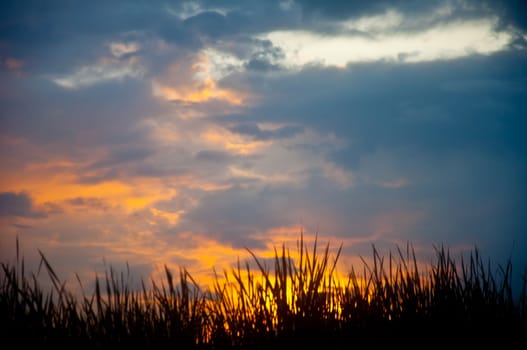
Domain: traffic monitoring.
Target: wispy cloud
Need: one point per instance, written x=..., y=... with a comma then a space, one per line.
x=105, y=70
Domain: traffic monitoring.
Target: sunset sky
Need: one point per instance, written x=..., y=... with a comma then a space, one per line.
x=182, y=132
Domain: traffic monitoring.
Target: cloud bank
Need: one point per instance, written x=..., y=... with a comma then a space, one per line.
x=183, y=132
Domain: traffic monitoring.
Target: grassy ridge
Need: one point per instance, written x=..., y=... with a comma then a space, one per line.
x=297, y=302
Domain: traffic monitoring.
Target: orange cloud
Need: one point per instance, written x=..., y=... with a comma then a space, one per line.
x=58, y=181
x=199, y=254
x=172, y=217
x=232, y=142
x=197, y=93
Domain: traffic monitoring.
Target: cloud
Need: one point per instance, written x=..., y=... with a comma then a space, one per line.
x=57, y=39
x=60, y=40
x=356, y=9
x=234, y=21
x=122, y=155
x=214, y=156
x=68, y=122
x=120, y=49
x=511, y=12
x=234, y=215
x=263, y=132
x=434, y=141
x=183, y=132
x=106, y=70
x=195, y=81
x=419, y=108
x=82, y=203
x=200, y=92
x=263, y=56
x=473, y=37
x=18, y=205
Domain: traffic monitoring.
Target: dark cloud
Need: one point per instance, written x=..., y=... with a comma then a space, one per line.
x=214, y=24
x=161, y=169
x=265, y=57
x=477, y=102
x=122, y=155
x=454, y=200
x=88, y=202
x=255, y=131
x=51, y=208
x=347, y=9
x=18, y=204
x=411, y=8
x=235, y=215
x=57, y=35
x=511, y=12
x=105, y=115
x=261, y=64
x=214, y=156
x=234, y=21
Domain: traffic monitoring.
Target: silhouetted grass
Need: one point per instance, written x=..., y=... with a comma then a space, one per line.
x=297, y=302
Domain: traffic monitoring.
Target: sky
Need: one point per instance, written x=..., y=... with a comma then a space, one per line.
x=183, y=133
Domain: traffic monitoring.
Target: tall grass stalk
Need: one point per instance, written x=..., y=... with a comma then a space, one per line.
x=299, y=300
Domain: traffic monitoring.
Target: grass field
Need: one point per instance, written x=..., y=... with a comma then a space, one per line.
x=296, y=302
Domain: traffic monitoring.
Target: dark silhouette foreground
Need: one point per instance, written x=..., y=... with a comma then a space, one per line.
x=298, y=303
